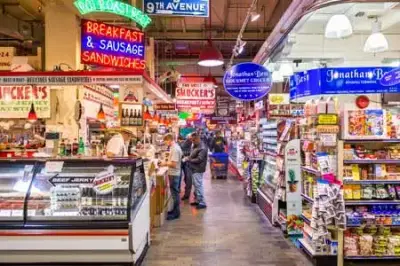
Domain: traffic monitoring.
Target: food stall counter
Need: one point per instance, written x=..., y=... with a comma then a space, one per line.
x=73, y=211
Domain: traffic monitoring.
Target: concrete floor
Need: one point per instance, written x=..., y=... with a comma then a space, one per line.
x=230, y=232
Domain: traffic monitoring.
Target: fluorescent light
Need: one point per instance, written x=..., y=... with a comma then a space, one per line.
x=395, y=64
x=286, y=69
x=376, y=42
x=114, y=86
x=277, y=76
x=338, y=26
x=254, y=16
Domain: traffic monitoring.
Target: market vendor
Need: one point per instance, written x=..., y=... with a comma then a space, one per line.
x=117, y=145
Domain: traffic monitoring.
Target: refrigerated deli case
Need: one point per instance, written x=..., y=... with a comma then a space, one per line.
x=73, y=211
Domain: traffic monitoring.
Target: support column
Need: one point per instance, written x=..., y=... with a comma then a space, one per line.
x=62, y=46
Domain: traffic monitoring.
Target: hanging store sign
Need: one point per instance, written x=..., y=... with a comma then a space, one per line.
x=16, y=101
x=165, y=107
x=113, y=7
x=225, y=111
x=188, y=8
x=66, y=78
x=361, y=80
x=112, y=46
x=6, y=58
x=194, y=94
x=248, y=81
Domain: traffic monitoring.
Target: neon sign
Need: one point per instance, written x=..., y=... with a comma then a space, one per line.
x=112, y=46
x=114, y=7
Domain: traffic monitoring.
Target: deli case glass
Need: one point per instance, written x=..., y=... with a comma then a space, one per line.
x=97, y=199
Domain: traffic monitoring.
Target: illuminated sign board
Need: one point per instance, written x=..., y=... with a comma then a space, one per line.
x=112, y=46
x=114, y=7
x=188, y=8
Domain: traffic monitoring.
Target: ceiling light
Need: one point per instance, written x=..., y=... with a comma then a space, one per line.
x=254, y=16
x=376, y=42
x=338, y=26
x=210, y=56
x=286, y=69
x=277, y=76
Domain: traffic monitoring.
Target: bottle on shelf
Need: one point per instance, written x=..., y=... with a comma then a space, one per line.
x=75, y=147
x=126, y=122
x=131, y=119
x=68, y=148
x=135, y=118
x=62, y=148
x=81, y=147
x=123, y=117
x=139, y=118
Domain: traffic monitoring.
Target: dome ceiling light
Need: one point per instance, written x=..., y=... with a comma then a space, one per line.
x=376, y=42
x=338, y=26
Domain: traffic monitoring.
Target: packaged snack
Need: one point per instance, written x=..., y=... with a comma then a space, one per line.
x=381, y=192
x=348, y=192
x=380, y=171
x=367, y=192
x=398, y=191
x=391, y=191
x=356, y=192
x=366, y=244
x=355, y=172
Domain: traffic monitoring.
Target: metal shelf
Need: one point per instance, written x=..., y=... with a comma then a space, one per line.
x=371, y=181
x=305, y=219
x=372, y=202
x=372, y=140
x=372, y=258
x=307, y=198
x=377, y=161
x=310, y=251
x=311, y=170
x=377, y=225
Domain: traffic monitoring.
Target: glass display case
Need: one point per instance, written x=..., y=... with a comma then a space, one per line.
x=71, y=193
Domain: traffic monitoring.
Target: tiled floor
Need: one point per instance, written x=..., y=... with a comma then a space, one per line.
x=231, y=232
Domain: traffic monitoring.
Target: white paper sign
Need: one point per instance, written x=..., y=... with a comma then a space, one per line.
x=54, y=167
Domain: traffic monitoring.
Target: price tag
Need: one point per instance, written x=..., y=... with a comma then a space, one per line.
x=18, y=213
x=327, y=119
x=5, y=213
x=54, y=167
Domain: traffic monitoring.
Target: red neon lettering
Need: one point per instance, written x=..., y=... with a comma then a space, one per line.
x=112, y=60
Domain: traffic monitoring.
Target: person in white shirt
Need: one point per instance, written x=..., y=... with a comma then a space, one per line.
x=117, y=145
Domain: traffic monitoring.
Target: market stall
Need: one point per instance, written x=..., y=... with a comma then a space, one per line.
x=341, y=62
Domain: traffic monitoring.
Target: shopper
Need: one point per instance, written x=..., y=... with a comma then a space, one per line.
x=198, y=164
x=117, y=145
x=218, y=144
x=186, y=146
x=174, y=173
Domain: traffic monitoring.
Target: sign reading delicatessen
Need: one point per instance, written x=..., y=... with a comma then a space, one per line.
x=16, y=101
x=194, y=94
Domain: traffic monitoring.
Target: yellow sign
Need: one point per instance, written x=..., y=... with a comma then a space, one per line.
x=327, y=119
x=278, y=98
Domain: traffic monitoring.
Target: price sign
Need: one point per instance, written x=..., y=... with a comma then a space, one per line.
x=53, y=167
x=327, y=119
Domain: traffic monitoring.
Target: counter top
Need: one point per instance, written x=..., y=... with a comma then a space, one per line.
x=74, y=159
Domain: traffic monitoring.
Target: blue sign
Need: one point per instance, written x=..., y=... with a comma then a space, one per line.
x=188, y=8
x=361, y=80
x=248, y=81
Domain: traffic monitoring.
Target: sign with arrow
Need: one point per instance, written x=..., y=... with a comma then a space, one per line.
x=59, y=180
x=186, y=8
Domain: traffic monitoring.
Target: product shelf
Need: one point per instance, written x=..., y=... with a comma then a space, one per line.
x=307, y=198
x=372, y=258
x=377, y=161
x=371, y=182
x=310, y=251
x=372, y=140
x=372, y=202
x=311, y=170
x=377, y=225
x=305, y=219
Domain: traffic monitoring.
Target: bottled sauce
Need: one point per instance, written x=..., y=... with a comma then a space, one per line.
x=123, y=117
x=131, y=119
x=126, y=118
x=139, y=118
x=68, y=148
x=62, y=148
x=321, y=106
x=81, y=147
x=75, y=147
x=331, y=106
x=135, y=116
x=93, y=149
x=84, y=195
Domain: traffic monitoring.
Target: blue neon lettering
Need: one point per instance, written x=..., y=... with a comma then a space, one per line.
x=102, y=44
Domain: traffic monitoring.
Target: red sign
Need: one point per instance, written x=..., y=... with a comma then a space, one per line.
x=195, y=94
x=165, y=107
x=112, y=46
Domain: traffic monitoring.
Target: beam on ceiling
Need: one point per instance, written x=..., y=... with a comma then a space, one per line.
x=268, y=12
x=199, y=35
x=183, y=22
x=226, y=10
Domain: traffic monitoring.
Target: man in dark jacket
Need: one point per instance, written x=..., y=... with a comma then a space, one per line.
x=198, y=164
x=218, y=143
x=186, y=146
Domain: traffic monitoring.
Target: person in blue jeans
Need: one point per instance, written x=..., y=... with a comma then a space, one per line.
x=198, y=163
x=174, y=172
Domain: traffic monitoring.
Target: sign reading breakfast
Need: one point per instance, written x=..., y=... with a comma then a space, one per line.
x=112, y=46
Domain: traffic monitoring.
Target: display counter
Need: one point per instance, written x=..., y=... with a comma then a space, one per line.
x=73, y=211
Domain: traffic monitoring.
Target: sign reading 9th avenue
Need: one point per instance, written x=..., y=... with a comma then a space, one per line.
x=112, y=46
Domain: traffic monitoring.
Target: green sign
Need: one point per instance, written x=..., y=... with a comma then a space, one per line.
x=114, y=7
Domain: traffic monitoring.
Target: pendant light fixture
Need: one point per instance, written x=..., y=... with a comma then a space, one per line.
x=376, y=42
x=210, y=56
x=101, y=116
x=338, y=26
x=286, y=69
x=32, y=117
